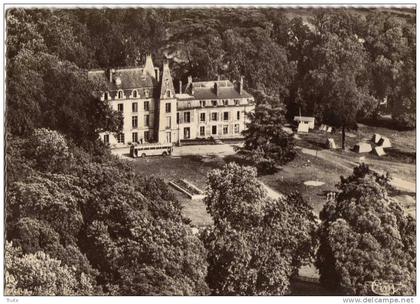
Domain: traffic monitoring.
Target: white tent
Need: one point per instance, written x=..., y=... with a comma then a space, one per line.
x=384, y=142
x=287, y=130
x=362, y=147
x=379, y=151
x=331, y=143
x=376, y=138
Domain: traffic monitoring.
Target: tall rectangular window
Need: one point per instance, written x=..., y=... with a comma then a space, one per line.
x=238, y=115
x=134, y=106
x=146, y=106
x=225, y=102
x=225, y=115
x=187, y=117
x=202, y=130
x=146, y=120
x=120, y=138
x=134, y=122
x=135, y=137
x=186, y=133
x=168, y=122
x=168, y=107
x=177, y=117
x=120, y=107
x=106, y=139
x=202, y=117
x=214, y=116
x=225, y=129
x=236, y=129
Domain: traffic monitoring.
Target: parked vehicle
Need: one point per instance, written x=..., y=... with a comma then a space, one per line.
x=144, y=150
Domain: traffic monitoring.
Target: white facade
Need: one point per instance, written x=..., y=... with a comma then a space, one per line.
x=154, y=113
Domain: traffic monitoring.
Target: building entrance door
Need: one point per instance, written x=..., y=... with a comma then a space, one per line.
x=186, y=133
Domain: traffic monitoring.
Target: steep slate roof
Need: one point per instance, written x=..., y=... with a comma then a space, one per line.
x=131, y=78
x=206, y=90
x=149, y=68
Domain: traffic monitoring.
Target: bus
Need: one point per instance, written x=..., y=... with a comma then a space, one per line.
x=144, y=150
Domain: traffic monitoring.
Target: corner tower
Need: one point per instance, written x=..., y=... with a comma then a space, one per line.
x=167, y=127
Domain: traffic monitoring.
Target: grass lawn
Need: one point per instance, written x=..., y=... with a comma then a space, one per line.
x=195, y=168
x=306, y=168
x=192, y=168
x=292, y=176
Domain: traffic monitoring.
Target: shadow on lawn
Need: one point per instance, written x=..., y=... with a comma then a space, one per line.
x=384, y=122
x=211, y=161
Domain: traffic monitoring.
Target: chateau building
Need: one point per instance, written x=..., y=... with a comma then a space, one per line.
x=154, y=112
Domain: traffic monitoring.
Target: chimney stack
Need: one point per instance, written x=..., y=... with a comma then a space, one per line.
x=241, y=85
x=216, y=88
x=157, y=74
x=110, y=74
x=218, y=77
x=180, y=87
x=189, y=79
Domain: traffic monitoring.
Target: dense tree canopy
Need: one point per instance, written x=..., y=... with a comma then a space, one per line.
x=123, y=233
x=90, y=225
x=257, y=243
x=366, y=237
x=368, y=57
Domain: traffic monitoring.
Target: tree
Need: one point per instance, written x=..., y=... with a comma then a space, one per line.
x=266, y=143
x=138, y=241
x=390, y=43
x=366, y=237
x=40, y=275
x=51, y=152
x=257, y=243
x=100, y=219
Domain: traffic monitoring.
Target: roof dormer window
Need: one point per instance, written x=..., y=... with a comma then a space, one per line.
x=146, y=93
x=168, y=93
x=106, y=96
x=135, y=94
x=120, y=94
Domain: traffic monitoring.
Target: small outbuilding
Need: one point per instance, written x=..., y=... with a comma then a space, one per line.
x=362, y=147
x=310, y=121
x=303, y=127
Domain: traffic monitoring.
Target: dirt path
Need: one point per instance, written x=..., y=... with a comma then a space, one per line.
x=347, y=164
